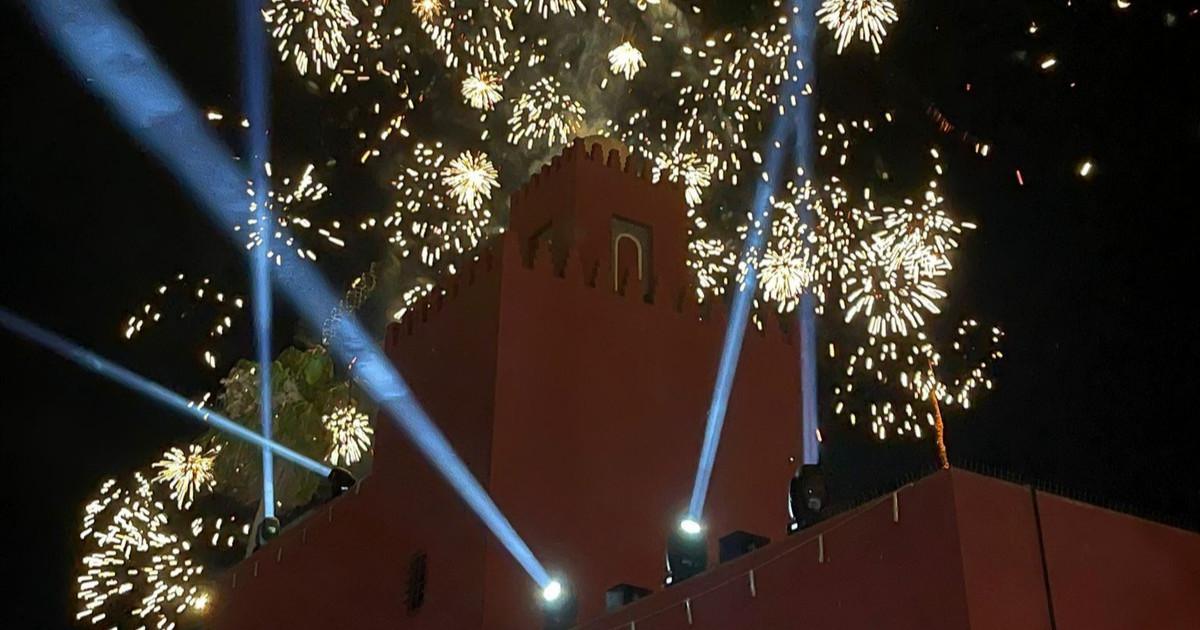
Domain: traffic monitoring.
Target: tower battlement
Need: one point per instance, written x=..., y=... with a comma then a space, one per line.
x=503, y=256
x=594, y=218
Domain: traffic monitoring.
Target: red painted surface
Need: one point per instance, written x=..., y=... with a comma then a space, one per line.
x=1111, y=571
x=863, y=569
x=963, y=554
x=1002, y=565
x=580, y=407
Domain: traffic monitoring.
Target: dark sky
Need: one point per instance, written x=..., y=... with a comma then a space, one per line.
x=1090, y=279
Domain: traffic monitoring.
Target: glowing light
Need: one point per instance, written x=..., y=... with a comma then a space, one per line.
x=626, y=60
x=471, y=178
x=187, y=473
x=868, y=19
x=350, y=434
x=1085, y=169
x=552, y=591
x=691, y=527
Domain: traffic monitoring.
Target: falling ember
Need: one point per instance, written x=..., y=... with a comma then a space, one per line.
x=866, y=18
x=626, y=60
x=1085, y=169
x=1048, y=62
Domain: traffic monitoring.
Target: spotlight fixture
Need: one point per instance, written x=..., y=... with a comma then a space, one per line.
x=267, y=529
x=340, y=481
x=807, y=497
x=558, y=606
x=687, y=551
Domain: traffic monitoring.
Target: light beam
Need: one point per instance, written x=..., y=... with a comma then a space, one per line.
x=140, y=384
x=114, y=62
x=781, y=126
x=256, y=99
x=804, y=36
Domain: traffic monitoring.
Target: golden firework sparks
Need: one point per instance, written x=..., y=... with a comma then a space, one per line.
x=471, y=178
x=187, y=473
x=350, y=435
x=883, y=290
x=311, y=32
x=545, y=113
x=626, y=60
x=133, y=562
x=427, y=10
x=868, y=19
x=482, y=90
x=546, y=8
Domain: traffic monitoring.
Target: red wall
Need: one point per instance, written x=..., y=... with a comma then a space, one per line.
x=1113, y=571
x=964, y=554
x=1001, y=557
x=600, y=413
x=863, y=569
x=351, y=569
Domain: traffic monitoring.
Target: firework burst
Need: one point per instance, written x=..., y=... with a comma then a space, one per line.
x=428, y=10
x=626, y=60
x=350, y=435
x=471, y=178
x=428, y=220
x=869, y=19
x=187, y=473
x=483, y=90
x=546, y=8
x=290, y=201
x=790, y=266
x=134, y=566
x=544, y=113
x=311, y=32
x=882, y=290
x=688, y=169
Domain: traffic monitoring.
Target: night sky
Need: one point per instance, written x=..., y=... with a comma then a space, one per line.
x=1090, y=278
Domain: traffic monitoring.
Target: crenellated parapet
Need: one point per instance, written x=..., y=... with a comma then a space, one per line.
x=504, y=258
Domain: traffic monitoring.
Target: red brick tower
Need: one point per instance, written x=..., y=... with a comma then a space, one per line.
x=571, y=368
